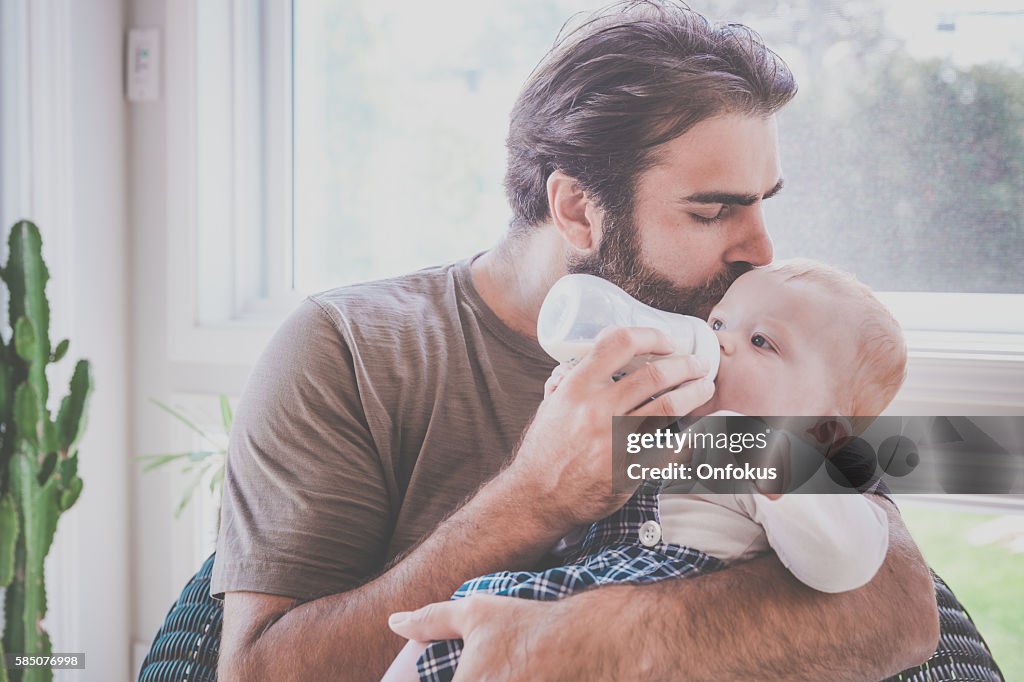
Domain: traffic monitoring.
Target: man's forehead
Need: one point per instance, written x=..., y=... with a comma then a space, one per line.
x=730, y=154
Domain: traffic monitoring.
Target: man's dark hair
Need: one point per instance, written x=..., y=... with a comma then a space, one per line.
x=633, y=76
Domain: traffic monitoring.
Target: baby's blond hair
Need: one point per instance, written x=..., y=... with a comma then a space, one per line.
x=881, y=362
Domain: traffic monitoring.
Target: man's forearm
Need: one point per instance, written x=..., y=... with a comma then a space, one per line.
x=756, y=621
x=347, y=634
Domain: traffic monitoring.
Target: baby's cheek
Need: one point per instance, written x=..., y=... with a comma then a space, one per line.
x=748, y=392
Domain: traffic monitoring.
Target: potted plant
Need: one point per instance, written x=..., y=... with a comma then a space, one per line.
x=208, y=460
x=38, y=452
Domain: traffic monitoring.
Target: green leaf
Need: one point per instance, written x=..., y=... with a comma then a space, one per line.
x=225, y=413
x=5, y=392
x=162, y=460
x=26, y=412
x=61, y=350
x=217, y=480
x=39, y=510
x=51, y=441
x=190, y=491
x=186, y=421
x=26, y=276
x=8, y=538
x=69, y=496
x=25, y=339
x=74, y=409
x=67, y=468
x=49, y=464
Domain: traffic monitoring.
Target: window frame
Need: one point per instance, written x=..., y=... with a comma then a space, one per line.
x=251, y=280
x=965, y=349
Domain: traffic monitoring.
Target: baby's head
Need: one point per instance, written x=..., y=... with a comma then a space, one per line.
x=803, y=338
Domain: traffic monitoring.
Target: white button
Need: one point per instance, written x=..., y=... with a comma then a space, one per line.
x=650, y=533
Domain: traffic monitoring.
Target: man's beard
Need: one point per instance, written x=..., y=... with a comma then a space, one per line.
x=619, y=261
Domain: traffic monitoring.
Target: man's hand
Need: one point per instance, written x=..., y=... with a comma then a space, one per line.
x=753, y=620
x=510, y=640
x=564, y=464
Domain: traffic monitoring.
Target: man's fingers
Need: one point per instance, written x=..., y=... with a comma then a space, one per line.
x=615, y=347
x=442, y=620
x=556, y=378
x=656, y=376
x=680, y=401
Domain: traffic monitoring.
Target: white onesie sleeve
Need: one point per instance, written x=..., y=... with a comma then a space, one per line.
x=832, y=543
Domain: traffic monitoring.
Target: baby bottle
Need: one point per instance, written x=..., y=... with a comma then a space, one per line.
x=579, y=306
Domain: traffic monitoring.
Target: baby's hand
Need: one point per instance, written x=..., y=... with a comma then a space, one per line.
x=556, y=378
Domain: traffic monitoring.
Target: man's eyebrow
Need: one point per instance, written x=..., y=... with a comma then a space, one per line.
x=729, y=198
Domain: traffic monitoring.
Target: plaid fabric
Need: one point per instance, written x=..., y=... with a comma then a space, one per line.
x=610, y=552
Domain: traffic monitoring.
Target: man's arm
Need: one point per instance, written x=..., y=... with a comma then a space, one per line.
x=757, y=621
x=560, y=478
x=751, y=621
x=267, y=637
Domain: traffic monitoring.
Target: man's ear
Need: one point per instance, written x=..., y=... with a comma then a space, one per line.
x=575, y=215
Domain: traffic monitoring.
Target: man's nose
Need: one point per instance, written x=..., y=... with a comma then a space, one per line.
x=753, y=244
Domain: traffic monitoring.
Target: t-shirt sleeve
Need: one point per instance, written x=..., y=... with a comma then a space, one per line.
x=305, y=510
x=832, y=543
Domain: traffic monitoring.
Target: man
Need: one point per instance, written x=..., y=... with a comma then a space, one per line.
x=379, y=457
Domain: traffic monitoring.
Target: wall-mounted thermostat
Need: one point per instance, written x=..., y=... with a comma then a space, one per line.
x=143, y=65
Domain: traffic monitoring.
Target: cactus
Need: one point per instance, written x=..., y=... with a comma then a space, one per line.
x=38, y=454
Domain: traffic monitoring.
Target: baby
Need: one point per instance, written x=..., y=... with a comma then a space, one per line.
x=796, y=338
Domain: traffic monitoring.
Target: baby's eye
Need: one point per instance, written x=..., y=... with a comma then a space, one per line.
x=761, y=342
x=716, y=324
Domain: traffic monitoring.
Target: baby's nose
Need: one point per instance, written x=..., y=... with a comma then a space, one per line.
x=725, y=343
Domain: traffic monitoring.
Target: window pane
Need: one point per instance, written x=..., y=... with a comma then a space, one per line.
x=981, y=557
x=401, y=113
x=903, y=153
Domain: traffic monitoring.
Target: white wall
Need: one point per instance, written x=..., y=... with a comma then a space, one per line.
x=165, y=552
x=68, y=175
x=98, y=302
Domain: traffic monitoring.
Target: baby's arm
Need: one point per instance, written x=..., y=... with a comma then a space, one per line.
x=832, y=543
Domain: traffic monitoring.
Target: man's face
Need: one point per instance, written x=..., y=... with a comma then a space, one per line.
x=696, y=222
x=781, y=348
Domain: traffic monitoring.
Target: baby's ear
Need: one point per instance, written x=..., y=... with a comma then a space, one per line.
x=831, y=431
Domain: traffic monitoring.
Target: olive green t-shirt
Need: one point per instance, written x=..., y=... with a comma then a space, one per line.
x=374, y=412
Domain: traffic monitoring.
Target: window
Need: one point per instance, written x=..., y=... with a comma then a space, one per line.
x=980, y=555
x=902, y=151
x=360, y=140
x=401, y=112
x=902, y=154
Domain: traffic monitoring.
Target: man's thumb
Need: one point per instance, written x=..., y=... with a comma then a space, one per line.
x=442, y=620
